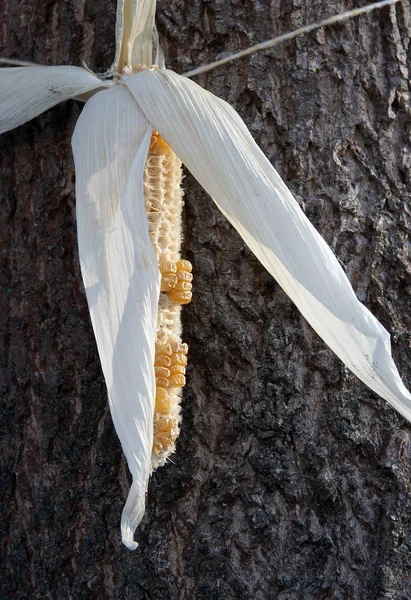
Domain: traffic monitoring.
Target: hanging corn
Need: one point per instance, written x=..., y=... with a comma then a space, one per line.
x=129, y=204
x=164, y=204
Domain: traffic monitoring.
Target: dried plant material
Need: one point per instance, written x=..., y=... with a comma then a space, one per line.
x=129, y=203
x=164, y=205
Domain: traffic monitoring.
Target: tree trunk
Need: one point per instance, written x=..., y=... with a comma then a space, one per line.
x=291, y=480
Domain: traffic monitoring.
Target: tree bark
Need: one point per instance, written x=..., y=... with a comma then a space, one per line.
x=291, y=480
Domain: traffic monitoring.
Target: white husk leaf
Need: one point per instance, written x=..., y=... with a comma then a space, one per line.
x=215, y=145
x=134, y=33
x=26, y=92
x=120, y=273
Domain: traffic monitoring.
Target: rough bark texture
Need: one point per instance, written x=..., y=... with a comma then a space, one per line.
x=291, y=480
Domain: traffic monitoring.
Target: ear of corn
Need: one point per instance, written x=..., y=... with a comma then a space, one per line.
x=164, y=204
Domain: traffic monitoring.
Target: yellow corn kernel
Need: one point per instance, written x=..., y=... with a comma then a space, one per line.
x=161, y=393
x=184, y=265
x=163, y=424
x=177, y=380
x=179, y=359
x=163, y=403
x=168, y=282
x=184, y=276
x=162, y=382
x=162, y=372
x=165, y=350
x=167, y=266
x=184, y=286
x=162, y=361
x=158, y=145
x=180, y=297
x=177, y=369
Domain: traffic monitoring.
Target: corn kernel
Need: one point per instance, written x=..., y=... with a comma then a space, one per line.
x=177, y=369
x=180, y=297
x=161, y=393
x=184, y=286
x=167, y=266
x=164, y=424
x=164, y=350
x=168, y=282
x=162, y=382
x=162, y=372
x=162, y=361
x=179, y=359
x=184, y=276
x=184, y=265
x=163, y=404
x=177, y=380
x=179, y=348
x=158, y=145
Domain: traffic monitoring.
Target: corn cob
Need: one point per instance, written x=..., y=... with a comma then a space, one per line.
x=164, y=203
